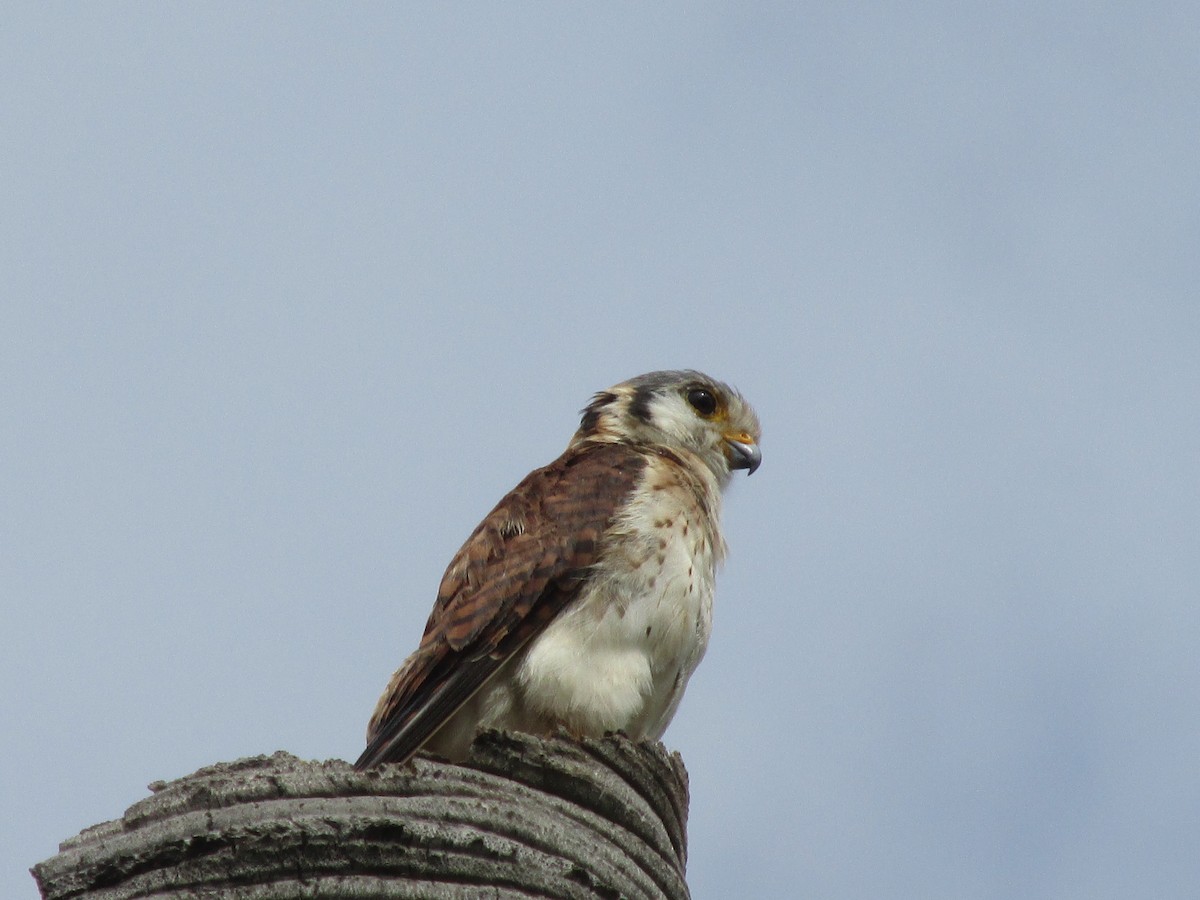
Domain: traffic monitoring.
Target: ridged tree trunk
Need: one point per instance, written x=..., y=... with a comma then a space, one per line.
x=523, y=817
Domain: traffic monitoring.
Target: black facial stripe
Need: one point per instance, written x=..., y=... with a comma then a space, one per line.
x=640, y=407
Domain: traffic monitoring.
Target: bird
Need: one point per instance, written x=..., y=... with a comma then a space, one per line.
x=583, y=601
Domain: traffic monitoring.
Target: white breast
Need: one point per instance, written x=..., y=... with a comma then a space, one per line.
x=620, y=658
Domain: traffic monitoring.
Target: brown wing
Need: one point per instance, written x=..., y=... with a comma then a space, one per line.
x=517, y=570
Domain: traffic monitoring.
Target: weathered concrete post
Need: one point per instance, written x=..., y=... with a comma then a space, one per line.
x=522, y=817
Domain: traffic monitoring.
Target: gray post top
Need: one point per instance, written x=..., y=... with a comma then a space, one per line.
x=522, y=816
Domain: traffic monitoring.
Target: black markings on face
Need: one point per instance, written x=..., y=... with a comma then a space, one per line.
x=640, y=407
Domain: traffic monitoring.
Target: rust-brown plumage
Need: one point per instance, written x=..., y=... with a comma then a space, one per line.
x=514, y=574
x=584, y=599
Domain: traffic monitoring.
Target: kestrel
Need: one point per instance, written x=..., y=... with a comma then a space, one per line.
x=584, y=599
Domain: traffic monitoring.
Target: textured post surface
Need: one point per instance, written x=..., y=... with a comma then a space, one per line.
x=522, y=817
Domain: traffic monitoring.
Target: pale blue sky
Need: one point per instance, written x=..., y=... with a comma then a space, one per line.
x=292, y=294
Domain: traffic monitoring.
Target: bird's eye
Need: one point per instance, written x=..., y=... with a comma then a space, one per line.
x=702, y=401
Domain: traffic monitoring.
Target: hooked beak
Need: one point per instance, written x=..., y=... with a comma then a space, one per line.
x=743, y=452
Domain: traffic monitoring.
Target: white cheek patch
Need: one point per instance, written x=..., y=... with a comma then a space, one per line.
x=671, y=415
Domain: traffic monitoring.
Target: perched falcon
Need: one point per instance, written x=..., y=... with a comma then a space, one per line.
x=584, y=599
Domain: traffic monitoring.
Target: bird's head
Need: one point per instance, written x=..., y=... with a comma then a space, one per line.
x=678, y=410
